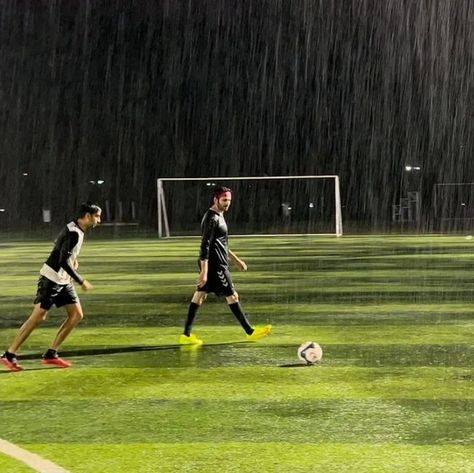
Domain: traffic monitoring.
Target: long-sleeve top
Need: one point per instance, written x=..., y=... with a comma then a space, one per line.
x=214, y=239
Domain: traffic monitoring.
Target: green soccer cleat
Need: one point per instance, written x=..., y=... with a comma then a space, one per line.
x=191, y=340
x=259, y=332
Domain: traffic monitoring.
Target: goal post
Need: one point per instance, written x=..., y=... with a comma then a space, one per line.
x=262, y=205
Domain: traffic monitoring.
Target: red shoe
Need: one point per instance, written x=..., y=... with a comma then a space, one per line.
x=11, y=364
x=56, y=361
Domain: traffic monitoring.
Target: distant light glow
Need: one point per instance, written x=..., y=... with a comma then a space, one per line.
x=2, y=210
x=407, y=168
x=100, y=181
x=463, y=204
x=210, y=184
x=91, y=182
x=25, y=174
x=311, y=205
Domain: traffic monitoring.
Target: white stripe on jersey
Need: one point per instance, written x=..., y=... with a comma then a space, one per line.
x=61, y=276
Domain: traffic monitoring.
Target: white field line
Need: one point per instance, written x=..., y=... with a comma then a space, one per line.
x=30, y=459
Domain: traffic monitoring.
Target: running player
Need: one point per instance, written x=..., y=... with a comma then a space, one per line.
x=55, y=287
x=214, y=265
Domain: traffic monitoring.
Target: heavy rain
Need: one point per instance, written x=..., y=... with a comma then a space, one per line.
x=345, y=131
x=99, y=99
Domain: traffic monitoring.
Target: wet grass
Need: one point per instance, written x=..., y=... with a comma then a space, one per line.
x=392, y=393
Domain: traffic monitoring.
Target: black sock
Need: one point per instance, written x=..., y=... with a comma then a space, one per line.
x=9, y=355
x=192, y=312
x=239, y=313
x=50, y=353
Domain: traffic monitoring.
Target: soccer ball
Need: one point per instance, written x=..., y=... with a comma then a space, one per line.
x=310, y=352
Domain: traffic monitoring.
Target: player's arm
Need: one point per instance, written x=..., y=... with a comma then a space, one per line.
x=237, y=261
x=202, y=278
x=208, y=229
x=65, y=253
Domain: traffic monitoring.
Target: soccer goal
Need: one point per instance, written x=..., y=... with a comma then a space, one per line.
x=266, y=205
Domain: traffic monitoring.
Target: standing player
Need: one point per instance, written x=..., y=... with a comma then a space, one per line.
x=214, y=275
x=55, y=287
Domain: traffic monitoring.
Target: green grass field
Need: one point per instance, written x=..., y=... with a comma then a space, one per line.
x=393, y=393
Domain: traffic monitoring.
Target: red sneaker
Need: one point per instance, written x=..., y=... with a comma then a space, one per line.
x=56, y=361
x=11, y=364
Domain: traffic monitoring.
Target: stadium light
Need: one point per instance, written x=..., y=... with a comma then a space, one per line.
x=3, y=210
x=410, y=168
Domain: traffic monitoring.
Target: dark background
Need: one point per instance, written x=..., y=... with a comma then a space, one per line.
x=128, y=91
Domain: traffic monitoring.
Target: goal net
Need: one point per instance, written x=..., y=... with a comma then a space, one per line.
x=267, y=205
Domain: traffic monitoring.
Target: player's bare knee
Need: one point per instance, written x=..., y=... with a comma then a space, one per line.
x=199, y=298
x=39, y=315
x=75, y=317
x=234, y=298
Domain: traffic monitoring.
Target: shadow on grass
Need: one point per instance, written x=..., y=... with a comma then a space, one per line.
x=297, y=365
x=39, y=368
x=131, y=349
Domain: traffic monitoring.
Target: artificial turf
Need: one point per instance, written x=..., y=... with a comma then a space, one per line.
x=392, y=393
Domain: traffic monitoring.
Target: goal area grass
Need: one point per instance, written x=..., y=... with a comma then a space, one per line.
x=393, y=391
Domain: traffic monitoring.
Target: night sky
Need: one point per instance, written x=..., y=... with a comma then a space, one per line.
x=128, y=91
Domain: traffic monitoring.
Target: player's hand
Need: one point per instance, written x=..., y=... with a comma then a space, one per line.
x=201, y=280
x=241, y=265
x=87, y=286
x=75, y=265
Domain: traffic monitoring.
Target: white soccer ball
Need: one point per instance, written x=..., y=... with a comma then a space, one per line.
x=310, y=352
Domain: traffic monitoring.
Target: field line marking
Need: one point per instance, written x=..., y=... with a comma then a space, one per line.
x=30, y=459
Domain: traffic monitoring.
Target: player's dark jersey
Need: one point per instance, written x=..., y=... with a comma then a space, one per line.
x=59, y=265
x=214, y=241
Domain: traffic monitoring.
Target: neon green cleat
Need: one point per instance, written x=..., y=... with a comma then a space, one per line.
x=191, y=340
x=259, y=332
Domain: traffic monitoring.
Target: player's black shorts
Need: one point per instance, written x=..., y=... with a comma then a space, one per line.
x=50, y=293
x=219, y=281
